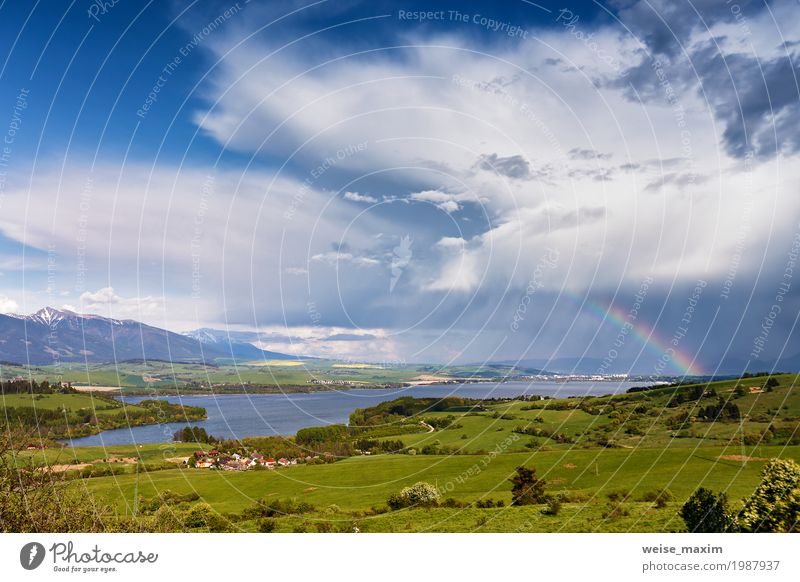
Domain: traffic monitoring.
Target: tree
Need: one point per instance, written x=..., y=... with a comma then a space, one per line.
x=36, y=499
x=527, y=488
x=706, y=512
x=418, y=495
x=775, y=504
x=193, y=434
x=721, y=411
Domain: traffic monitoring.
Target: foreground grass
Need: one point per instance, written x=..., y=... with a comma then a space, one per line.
x=358, y=484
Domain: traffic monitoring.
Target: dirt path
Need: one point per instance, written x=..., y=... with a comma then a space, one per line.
x=426, y=425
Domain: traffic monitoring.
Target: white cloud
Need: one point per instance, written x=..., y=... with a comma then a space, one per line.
x=451, y=243
x=8, y=305
x=334, y=257
x=106, y=302
x=356, y=197
x=442, y=200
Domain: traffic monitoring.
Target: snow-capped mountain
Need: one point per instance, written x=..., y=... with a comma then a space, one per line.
x=50, y=336
x=239, y=344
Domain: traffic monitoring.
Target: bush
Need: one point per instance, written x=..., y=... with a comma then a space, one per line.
x=199, y=515
x=618, y=495
x=276, y=508
x=266, y=525
x=452, y=503
x=167, y=519
x=615, y=510
x=659, y=496
x=707, y=512
x=418, y=495
x=489, y=503
x=527, y=488
x=775, y=504
x=553, y=506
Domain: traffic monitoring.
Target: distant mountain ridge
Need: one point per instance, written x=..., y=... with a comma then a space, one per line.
x=239, y=342
x=50, y=336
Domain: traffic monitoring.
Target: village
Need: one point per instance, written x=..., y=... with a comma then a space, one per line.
x=215, y=459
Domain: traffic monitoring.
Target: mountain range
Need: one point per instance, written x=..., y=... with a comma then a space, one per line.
x=50, y=336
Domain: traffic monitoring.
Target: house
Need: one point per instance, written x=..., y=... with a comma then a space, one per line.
x=283, y=462
x=236, y=456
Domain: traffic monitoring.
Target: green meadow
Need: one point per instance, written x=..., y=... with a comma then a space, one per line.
x=607, y=458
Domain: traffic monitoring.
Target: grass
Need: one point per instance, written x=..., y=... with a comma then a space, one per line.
x=145, y=453
x=627, y=444
x=359, y=483
x=573, y=518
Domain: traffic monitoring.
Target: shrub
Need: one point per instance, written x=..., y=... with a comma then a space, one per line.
x=418, y=495
x=553, y=505
x=452, y=503
x=167, y=519
x=775, y=504
x=618, y=495
x=615, y=510
x=276, y=508
x=489, y=503
x=707, y=512
x=659, y=496
x=266, y=525
x=199, y=515
x=527, y=488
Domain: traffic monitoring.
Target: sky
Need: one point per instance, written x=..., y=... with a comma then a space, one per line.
x=448, y=182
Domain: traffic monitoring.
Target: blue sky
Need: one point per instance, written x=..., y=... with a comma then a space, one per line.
x=410, y=181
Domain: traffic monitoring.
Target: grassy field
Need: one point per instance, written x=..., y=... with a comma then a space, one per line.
x=361, y=482
x=155, y=376
x=59, y=415
x=604, y=456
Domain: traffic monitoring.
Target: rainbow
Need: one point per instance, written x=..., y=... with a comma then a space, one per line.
x=668, y=354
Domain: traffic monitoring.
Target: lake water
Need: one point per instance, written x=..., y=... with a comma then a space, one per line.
x=235, y=416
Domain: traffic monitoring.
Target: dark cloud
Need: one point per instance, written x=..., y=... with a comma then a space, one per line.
x=680, y=179
x=759, y=100
x=349, y=337
x=515, y=167
x=756, y=98
x=596, y=174
x=587, y=154
x=665, y=26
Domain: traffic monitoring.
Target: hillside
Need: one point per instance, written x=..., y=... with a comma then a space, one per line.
x=53, y=336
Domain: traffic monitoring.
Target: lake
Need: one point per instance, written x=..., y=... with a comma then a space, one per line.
x=235, y=416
